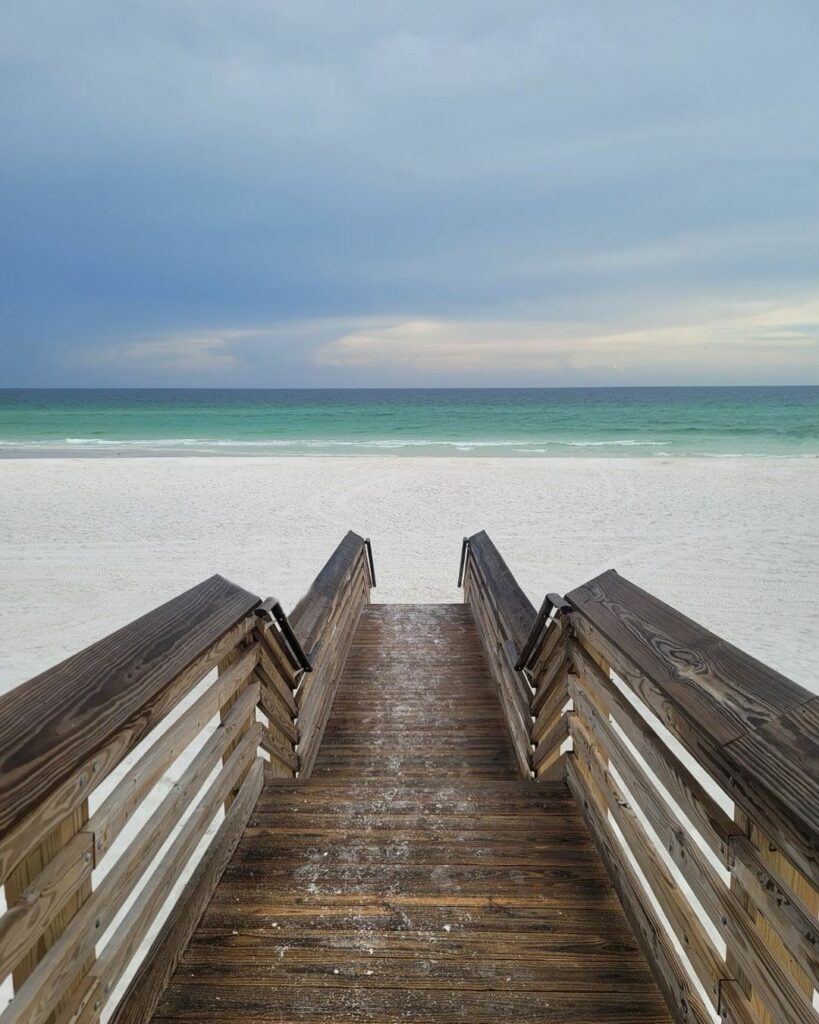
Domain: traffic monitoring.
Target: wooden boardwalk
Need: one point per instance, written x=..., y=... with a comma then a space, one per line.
x=462, y=813
x=415, y=876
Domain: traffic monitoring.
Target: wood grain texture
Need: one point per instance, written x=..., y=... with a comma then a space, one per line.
x=513, y=691
x=774, y=987
x=52, y=725
x=144, y=992
x=47, y=931
x=713, y=823
x=753, y=729
x=40, y=888
x=414, y=876
x=725, y=690
x=671, y=973
x=775, y=773
x=335, y=635
x=690, y=931
x=514, y=607
x=313, y=609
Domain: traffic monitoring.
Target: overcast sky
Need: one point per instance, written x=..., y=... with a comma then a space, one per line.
x=450, y=192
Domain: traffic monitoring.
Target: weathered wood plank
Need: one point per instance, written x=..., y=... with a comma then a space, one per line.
x=386, y=886
x=726, y=691
x=315, y=697
x=513, y=606
x=775, y=988
x=515, y=705
x=671, y=974
x=114, y=813
x=46, y=984
x=750, y=727
x=145, y=990
x=34, y=905
x=775, y=775
x=64, y=730
x=697, y=944
x=713, y=823
x=58, y=912
x=313, y=609
x=551, y=741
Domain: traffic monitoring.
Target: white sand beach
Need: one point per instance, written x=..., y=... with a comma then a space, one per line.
x=86, y=545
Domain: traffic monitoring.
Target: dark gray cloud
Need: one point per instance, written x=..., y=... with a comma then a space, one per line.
x=202, y=193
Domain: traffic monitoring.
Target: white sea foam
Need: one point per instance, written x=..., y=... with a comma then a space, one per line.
x=364, y=447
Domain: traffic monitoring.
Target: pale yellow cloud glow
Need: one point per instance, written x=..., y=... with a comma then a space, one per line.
x=752, y=335
x=202, y=352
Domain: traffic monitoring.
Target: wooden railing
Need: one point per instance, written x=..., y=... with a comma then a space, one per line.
x=533, y=696
x=91, y=844
x=697, y=771
x=325, y=620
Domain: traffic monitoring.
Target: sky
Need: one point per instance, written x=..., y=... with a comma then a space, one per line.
x=373, y=193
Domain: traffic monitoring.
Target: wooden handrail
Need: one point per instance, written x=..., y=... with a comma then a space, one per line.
x=515, y=611
x=755, y=731
x=310, y=613
x=325, y=620
x=511, y=632
x=271, y=610
x=68, y=729
x=552, y=603
x=690, y=759
x=64, y=730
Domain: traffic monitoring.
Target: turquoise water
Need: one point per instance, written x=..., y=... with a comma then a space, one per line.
x=537, y=422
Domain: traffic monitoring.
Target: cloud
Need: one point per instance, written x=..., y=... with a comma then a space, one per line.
x=197, y=354
x=524, y=166
x=740, y=339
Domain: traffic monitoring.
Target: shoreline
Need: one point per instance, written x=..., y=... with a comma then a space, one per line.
x=450, y=450
x=87, y=545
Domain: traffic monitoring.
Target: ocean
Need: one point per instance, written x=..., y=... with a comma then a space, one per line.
x=524, y=422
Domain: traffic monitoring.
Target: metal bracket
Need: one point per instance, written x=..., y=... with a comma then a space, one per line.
x=464, y=548
x=551, y=603
x=273, y=612
x=370, y=562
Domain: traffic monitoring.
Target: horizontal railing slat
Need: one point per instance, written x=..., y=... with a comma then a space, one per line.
x=65, y=731
x=726, y=690
x=144, y=992
x=113, y=814
x=720, y=904
x=44, y=987
x=310, y=613
x=689, y=930
x=173, y=937
x=753, y=729
x=713, y=823
x=317, y=691
x=510, y=602
x=665, y=962
x=51, y=726
x=795, y=924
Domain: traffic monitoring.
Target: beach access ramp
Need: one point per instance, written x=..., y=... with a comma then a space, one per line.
x=590, y=813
